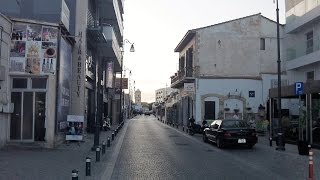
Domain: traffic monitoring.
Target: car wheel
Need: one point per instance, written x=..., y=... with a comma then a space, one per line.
x=219, y=143
x=205, y=138
x=250, y=146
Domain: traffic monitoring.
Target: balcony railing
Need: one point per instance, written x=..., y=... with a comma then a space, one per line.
x=181, y=75
x=303, y=48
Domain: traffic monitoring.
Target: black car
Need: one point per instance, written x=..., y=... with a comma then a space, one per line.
x=230, y=132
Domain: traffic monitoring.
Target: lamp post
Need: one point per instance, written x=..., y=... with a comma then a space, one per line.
x=129, y=88
x=280, y=140
x=120, y=104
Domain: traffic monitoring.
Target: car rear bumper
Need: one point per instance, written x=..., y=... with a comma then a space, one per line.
x=234, y=141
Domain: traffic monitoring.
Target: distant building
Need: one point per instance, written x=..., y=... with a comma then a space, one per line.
x=162, y=93
x=137, y=97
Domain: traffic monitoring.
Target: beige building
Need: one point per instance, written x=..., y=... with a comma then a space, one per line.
x=137, y=97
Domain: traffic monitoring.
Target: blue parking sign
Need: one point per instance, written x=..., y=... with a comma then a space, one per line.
x=298, y=87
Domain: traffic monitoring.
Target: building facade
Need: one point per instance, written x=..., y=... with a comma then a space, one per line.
x=5, y=105
x=302, y=65
x=162, y=93
x=62, y=63
x=231, y=65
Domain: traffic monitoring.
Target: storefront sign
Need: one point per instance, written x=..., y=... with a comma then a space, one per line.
x=79, y=65
x=74, y=128
x=188, y=87
x=124, y=83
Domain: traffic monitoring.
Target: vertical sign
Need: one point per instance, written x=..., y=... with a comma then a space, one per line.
x=79, y=65
x=109, y=75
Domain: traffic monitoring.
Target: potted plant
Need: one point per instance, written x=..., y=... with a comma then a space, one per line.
x=248, y=108
x=236, y=110
x=227, y=109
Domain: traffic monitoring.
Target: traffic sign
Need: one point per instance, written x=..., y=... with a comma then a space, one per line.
x=298, y=88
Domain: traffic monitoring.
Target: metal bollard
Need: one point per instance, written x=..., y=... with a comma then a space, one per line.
x=97, y=154
x=115, y=133
x=182, y=128
x=74, y=174
x=270, y=141
x=112, y=136
x=310, y=163
x=88, y=166
x=103, y=147
x=108, y=142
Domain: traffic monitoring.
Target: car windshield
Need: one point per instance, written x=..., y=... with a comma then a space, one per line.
x=234, y=124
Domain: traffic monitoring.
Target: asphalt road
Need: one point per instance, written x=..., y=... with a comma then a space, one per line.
x=153, y=150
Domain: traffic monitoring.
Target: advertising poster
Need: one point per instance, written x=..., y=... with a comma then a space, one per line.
x=18, y=49
x=33, y=49
x=109, y=75
x=49, y=34
x=74, y=130
x=34, y=32
x=63, y=105
x=19, y=32
x=17, y=64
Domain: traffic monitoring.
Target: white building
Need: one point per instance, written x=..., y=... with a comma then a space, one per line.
x=5, y=40
x=231, y=64
x=162, y=93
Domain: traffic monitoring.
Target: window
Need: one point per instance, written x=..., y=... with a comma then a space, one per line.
x=309, y=47
x=19, y=83
x=262, y=44
x=39, y=83
x=310, y=75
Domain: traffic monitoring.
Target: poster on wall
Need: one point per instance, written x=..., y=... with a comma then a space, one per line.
x=33, y=49
x=74, y=130
x=64, y=85
x=109, y=75
x=49, y=34
x=34, y=32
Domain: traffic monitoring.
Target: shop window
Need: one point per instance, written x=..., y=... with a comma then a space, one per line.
x=19, y=83
x=39, y=83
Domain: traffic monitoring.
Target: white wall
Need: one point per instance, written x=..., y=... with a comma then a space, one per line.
x=4, y=90
x=223, y=87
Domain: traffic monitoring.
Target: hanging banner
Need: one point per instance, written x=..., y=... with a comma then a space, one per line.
x=75, y=128
x=109, y=75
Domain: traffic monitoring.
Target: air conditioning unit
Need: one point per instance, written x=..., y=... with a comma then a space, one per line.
x=2, y=73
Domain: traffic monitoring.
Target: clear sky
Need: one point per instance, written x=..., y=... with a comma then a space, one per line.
x=157, y=26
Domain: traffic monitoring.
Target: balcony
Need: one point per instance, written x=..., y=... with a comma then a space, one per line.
x=103, y=37
x=181, y=77
x=302, y=55
x=111, y=12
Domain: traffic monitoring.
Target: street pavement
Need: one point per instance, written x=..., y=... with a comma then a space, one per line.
x=153, y=150
x=148, y=149
x=57, y=164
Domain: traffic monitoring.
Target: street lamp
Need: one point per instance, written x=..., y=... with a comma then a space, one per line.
x=120, y=104
x=280, y=140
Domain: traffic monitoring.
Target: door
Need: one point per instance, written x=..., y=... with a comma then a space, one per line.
x=28, y=119
x=40, y=116
x=209, y=110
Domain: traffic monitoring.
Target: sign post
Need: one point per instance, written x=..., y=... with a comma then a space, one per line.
x=298, y=88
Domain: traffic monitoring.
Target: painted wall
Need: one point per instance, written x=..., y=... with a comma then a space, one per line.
x=5, y=40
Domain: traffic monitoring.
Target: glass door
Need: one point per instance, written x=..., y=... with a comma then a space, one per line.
x=40, y=116
x=15, y=125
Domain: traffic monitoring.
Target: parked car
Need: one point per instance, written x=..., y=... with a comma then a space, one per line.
x=148, y=113
x=230, y=132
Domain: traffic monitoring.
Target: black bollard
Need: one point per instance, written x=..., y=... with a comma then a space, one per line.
x=115, y=133
x=112, y=136
x=103, y=147
x=270, y=141
x=88, y=166
x=97, y=154
x=182, y=128
x=108, y=142
x=74, y=174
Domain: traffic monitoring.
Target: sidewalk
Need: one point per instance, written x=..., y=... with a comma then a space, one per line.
x=55, y=164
